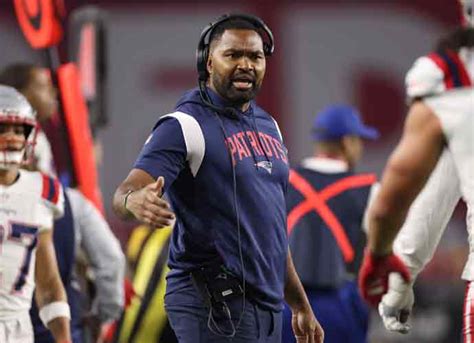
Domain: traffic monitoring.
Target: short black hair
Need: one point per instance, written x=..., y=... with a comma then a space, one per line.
x=233, y=24
x=17, y=75
x=461, y=37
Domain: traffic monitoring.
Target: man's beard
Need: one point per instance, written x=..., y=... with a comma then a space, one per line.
x=236, y=97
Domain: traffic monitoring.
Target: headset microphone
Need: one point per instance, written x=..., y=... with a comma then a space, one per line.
x=228, y=112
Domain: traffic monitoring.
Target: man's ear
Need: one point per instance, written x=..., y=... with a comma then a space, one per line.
x=346, y=142
x=209, y=64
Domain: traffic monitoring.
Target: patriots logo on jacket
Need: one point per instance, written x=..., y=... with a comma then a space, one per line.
x=267, y=165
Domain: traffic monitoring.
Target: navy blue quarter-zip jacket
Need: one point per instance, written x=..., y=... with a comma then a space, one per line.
x=198, y=151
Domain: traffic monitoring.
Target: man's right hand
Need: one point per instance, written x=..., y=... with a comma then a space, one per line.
x=148, y=207
x=374, y=273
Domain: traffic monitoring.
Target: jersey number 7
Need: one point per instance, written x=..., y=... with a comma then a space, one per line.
x=25, y=237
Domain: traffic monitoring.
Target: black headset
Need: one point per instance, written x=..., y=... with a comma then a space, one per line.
x=202, y=53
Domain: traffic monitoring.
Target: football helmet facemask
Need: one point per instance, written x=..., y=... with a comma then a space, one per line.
x=15, y=109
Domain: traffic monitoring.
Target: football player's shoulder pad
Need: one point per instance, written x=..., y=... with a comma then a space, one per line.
x=424, y=78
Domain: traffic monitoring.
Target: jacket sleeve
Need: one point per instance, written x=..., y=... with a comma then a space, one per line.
x=104, y=253
x=176, y=141
x=428, y=216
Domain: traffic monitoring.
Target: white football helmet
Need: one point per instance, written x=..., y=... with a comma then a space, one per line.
x=15, y=109
x=467, y=8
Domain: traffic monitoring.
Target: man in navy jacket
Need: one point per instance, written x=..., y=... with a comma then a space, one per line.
x=225, y=173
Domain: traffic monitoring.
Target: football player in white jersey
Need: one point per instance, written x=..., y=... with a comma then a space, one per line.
x=29, y=201
x=93, y=238
x=439, y=132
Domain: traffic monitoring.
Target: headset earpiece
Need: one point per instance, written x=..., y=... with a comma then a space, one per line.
x=202, y=56
x=267, y=49
x=202, y=52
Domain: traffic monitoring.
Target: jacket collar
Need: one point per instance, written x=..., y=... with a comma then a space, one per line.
x=325, y=165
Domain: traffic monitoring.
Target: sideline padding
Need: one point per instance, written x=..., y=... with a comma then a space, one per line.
x=79, y=133
x=145, y=320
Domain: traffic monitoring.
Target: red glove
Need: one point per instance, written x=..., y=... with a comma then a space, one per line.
x=129, y=292
x=373, y=275
x=107, y=332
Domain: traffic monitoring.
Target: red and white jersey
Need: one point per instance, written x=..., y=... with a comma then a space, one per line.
x=439, y=73
x=27, y=207
x=445, y=83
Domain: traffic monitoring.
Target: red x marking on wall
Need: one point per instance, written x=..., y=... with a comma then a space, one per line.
x=316, y=201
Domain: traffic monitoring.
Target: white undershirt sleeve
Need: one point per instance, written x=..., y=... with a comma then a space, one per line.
x=428, y=216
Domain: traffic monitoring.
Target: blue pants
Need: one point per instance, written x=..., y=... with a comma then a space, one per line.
x=190, y=318
x=342, y=313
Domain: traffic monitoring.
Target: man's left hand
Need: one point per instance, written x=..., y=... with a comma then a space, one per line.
x=306, y=327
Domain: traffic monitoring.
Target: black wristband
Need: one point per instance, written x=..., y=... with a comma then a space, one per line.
x=130, y=191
